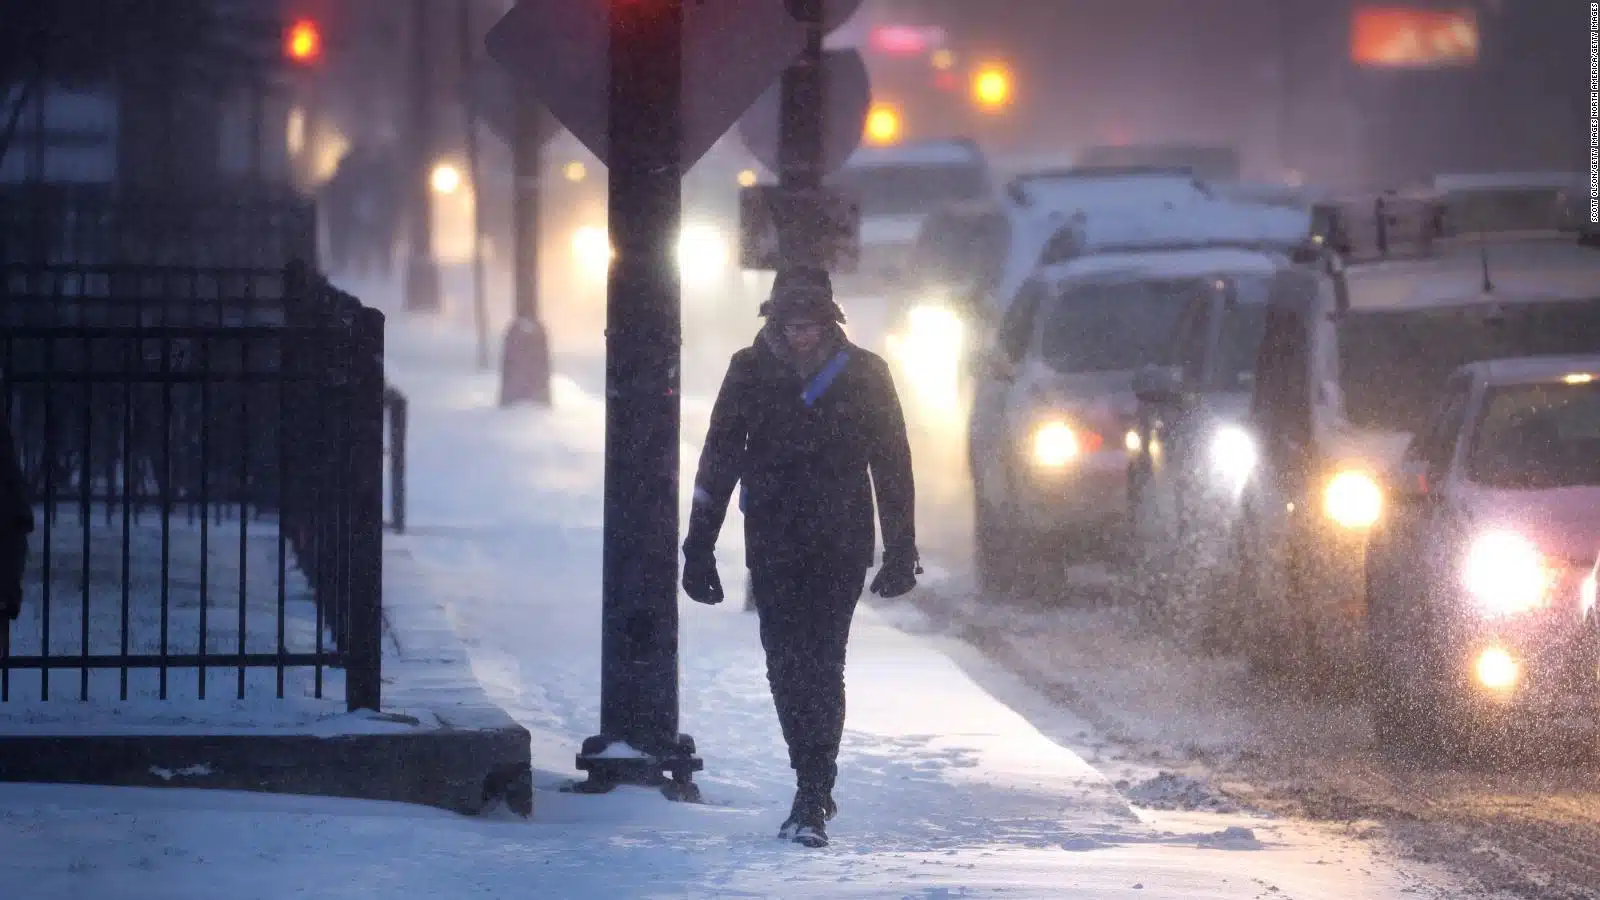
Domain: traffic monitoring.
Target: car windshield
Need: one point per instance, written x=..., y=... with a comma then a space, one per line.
x=1243, y=326
x=956, y=249
x=1508, y=209
x=1393, y=364
x=1212, y=163
x=1114, y=326
x=911, y=189
x=1538, y=436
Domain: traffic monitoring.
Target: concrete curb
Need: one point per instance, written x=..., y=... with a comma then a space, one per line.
x=462, y=770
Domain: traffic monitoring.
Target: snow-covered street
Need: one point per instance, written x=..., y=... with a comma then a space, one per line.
x=955, y=778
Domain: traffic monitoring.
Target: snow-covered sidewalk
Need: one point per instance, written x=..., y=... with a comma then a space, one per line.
x=944, y=790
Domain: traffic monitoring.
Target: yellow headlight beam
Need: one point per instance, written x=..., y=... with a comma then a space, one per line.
x=1353, y=500
x=1055, y=445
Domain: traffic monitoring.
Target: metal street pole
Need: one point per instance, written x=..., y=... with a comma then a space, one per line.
x=525, y=355
x=480, y=312
x=800, y=112
x=422, y=289
x=1285, y=94
x=639, y=739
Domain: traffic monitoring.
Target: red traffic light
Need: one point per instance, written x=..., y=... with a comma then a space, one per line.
x=302, y=43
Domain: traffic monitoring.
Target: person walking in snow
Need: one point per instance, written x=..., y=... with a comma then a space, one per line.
x=808, y=426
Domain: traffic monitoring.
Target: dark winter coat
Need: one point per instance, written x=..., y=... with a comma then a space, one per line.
x=806, y=474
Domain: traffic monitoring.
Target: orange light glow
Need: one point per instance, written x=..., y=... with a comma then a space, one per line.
x=883, y=125
x=1404, y=38
x=991, y=87
x=303, y=43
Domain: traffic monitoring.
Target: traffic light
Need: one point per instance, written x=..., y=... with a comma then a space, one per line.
x=883, y=125
x=302, y=43
x=991, y=87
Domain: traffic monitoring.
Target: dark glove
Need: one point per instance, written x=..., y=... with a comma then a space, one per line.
x=700, y=579
x=896, y=577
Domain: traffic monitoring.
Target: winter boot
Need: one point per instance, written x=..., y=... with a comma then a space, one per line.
x=810, y=830
x=797, y=812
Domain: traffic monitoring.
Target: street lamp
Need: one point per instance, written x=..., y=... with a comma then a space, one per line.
x=991, y=87
x=883, y=125
x=302, y=43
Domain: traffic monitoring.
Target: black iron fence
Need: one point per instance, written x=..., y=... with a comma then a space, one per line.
x=397, y=409
x=205, y=450
x=242, y=224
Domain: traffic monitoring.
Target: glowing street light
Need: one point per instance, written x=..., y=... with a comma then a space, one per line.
x=575, y=171
x=747, y=178
x=883, y=124
x=303, y=42
x=991, y=87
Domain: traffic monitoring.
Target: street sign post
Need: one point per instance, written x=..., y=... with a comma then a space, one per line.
x=809, y=131
x=648, y=86
x=639, y=738
x=847, y=95
x=822, y=229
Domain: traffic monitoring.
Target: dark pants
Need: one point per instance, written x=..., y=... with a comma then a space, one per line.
x=805, y=607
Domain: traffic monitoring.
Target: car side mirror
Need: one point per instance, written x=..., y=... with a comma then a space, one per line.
x=1157, y=384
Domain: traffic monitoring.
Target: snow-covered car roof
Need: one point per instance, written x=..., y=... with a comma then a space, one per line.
x=1519, y=271
x=1491, y=181
x=920, y=153
x=1067, y=190
x=1213, y=221
x=1203, y=224
x=1167, y=264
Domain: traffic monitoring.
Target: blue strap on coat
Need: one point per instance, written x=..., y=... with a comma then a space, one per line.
x=821, y=381
x=818, y=386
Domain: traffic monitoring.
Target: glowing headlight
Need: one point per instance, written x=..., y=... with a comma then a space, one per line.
x=1505, y=575
x=1586, y=594
x=445, y=179
x=1233, y=454
x=1496, y=669
x=1055, y=445
x=935, y=331
x=591, y=246
x=1353, y=500
x=702, y=251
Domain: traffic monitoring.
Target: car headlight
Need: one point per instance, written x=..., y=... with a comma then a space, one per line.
x=934, y=330
x=1233, y=455
x=1505, y=575
x=702, y=251
x=1057, y=444
x=1353, y=500
x=591, y=247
